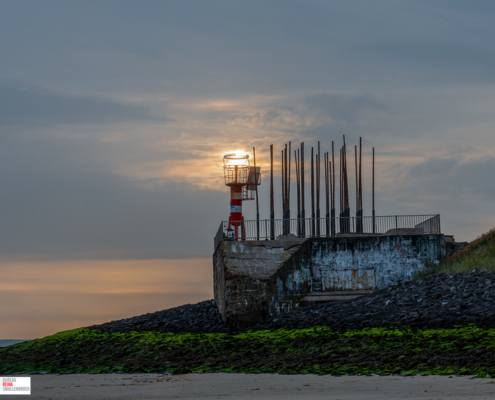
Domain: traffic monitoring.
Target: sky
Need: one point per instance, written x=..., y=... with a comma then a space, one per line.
x=114, y=117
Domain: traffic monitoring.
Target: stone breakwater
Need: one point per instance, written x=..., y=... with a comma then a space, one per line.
x=202, y=317
x=453, y=248
x=442, y=301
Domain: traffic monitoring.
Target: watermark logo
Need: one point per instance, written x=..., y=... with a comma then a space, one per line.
x=15, y=385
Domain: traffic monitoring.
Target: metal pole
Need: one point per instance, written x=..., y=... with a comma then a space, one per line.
x=347, y=208
x=285, y=176
x=341, y=191
x=272, y=205
x=327, y=196
x=257, y=203
x=360, y=186
x=298, y=180
x=346, y=193
x=345, y=181
x=333, y=191
x=286, y=190
x=283, y=193
x=346, y=184
x=360, y=177
x=303, y=211
x=318, y=165
x=373, y=189
x=312, y=195
x=332, y=228
x=288, y=193
x=357, y=185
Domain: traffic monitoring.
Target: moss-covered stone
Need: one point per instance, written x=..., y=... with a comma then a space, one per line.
x=318, y=350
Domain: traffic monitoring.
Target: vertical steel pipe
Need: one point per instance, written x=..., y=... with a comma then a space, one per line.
x=333, y=192
x=373, y=189
x=303, y=210
x=318, y=165
x=312, y=194
x=272, y=205
x=298, y=180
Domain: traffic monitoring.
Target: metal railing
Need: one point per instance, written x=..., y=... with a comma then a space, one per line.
x=330, y=227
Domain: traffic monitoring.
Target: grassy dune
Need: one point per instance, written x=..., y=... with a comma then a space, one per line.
x=465, y=350
x=479, y=254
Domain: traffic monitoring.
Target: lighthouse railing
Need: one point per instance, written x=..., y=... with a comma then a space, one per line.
x=363, y=225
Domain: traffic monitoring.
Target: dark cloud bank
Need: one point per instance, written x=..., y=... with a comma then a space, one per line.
x=34, y=107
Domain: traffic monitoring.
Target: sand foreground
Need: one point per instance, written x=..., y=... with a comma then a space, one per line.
x=256, y=386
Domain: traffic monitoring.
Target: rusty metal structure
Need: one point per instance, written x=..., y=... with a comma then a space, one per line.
x=244, y=180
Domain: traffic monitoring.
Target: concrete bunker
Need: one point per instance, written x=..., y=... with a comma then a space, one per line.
x=257, y=279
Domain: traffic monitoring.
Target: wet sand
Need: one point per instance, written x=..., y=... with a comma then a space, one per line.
x=262, y=386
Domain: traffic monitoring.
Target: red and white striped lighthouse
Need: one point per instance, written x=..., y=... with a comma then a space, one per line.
x=241, y=178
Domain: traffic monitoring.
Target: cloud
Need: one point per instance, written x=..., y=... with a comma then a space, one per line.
x=230, y=77
x=63, y=200
x=34, y=107
x=343, y=108
x=453, y=177
x=335, y=115
x=458, y=188
x=269, y=119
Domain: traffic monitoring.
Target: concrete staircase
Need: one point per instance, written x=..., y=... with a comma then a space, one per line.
x=336, y=295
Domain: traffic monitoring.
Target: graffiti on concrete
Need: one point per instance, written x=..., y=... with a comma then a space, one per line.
x=257, y=279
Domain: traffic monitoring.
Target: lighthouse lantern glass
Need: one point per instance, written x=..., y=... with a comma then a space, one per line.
x=236, y=168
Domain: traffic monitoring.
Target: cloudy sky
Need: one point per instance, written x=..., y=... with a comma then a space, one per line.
x=114, y=116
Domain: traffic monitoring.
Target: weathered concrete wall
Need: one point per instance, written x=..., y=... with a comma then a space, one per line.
x=351, y=263
x=257, y=279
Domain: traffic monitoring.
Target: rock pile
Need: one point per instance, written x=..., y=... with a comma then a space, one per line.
x=202, y=317
x=442, y=301
x=453, y=248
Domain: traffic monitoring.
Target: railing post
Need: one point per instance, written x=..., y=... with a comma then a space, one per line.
x=374, y=221
x=273, y=227
x=332, y=229
x=304, y=226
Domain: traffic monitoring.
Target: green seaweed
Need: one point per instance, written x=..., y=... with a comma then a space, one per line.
x=320, y=350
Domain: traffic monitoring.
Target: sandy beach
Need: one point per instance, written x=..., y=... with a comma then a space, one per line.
x=262, y=386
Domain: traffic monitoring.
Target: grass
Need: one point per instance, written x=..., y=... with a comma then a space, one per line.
x=479, y=254
x=319, y=350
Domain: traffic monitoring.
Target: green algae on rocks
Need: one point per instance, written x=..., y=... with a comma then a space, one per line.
x=319, y=350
